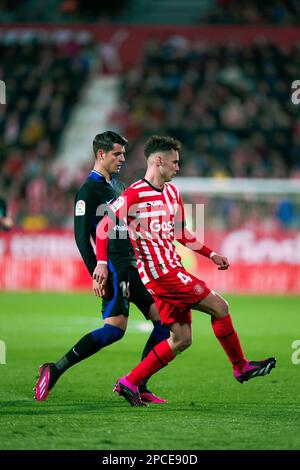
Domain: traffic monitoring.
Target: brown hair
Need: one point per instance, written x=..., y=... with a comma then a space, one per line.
x=160, y=143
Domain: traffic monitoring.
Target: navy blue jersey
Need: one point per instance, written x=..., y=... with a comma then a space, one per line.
x=90, y=203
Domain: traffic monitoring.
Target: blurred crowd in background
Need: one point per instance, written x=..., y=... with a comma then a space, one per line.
x=231, y=108
x=229, y=105
x=79, y=11
x=40, y=99
x=279, y=12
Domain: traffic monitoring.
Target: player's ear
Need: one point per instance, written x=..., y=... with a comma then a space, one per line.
x=159, y=160
x=100, y=154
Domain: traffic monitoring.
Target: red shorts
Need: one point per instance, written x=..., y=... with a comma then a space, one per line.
x=175, y=293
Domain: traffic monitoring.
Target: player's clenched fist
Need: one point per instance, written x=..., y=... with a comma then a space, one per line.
x=221, y=261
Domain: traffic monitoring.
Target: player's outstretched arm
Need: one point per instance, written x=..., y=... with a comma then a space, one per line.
x=100, y=273
x=189, y=240
x=118, y=210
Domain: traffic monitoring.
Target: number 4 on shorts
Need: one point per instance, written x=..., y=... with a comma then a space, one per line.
x=184, y=278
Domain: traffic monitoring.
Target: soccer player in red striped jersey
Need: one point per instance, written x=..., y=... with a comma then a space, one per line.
x=154, y=212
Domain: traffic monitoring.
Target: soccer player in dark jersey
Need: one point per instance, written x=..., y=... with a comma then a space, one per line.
x=100, y=188
x=154, y=212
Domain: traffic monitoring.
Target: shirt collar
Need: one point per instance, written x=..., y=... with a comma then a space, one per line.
x=95, y=175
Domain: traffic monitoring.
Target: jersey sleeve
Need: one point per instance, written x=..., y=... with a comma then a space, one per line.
x=184, y=236
x=179, y=218
x=117, y=212
x=85, y=210
x=120, y=208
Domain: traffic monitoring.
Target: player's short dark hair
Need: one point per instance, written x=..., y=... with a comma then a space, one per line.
x=106, y=141
x=160, y=143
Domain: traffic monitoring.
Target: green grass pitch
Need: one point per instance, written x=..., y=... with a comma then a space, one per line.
x=207, y=408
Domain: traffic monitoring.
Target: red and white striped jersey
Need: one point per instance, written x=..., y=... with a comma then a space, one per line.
x=151, y=216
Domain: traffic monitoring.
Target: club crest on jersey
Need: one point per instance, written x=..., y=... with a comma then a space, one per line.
x=118, y=204
x=80, y=207
x=198, y=289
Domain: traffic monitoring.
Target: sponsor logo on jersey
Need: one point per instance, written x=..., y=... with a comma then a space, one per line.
x=156, y=226
x=80, y=207
x=120, y=228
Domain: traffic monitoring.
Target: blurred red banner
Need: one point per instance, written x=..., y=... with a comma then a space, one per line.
x=259, y=262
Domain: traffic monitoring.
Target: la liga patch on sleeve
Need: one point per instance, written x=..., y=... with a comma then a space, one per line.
x=80, y=207
x=117, y=204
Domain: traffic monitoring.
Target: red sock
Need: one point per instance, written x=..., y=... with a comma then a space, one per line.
x=157, y=358
x=229, y=340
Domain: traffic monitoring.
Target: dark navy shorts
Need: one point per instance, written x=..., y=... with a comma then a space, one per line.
x=126, y=287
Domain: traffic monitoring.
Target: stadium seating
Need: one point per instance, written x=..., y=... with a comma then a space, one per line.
x=40, y=99
x=229, y=105
x=253, y=12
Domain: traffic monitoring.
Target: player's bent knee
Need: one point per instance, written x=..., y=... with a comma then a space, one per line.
x=184, y=344
x=220, y=308
x=119, y=321
x=153, y=313
x=224, y=307
x=183, y=347
x=180, y=344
